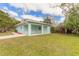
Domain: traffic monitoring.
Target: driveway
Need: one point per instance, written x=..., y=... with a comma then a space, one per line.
x=11, y=36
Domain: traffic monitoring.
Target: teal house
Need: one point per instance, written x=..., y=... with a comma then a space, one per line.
x=31, y=27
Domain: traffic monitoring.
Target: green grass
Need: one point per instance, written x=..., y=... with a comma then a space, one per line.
x=43, y=45
x=5, y=33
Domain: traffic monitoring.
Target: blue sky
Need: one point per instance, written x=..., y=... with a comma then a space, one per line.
x=20, y=11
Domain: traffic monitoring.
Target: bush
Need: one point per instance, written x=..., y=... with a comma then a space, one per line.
x=13, y=30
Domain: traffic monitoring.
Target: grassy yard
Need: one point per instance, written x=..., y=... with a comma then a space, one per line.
x=5, y=33
x=43, y=45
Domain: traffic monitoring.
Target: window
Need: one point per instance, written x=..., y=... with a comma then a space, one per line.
x=40, y=28
x=21, y=27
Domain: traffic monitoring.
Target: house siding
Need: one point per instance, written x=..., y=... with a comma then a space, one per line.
x=36, y=29
x=33, y=29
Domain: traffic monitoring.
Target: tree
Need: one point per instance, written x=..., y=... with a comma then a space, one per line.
x=51, y=21
x=48, y=19
x=71, y=22
x=6, y=22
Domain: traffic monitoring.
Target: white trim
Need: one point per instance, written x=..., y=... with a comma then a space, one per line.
x=48, y=28
x=42, y=29
x=29, y=29
x=38, y=34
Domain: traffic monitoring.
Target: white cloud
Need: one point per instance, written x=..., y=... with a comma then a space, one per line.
x=46, y=8
x=17, y=18
x=32, y=17
x=62, y=19
x=54, y=11
x=12, y=13
x=5, y=8
x=19, y=5
x=49, y=8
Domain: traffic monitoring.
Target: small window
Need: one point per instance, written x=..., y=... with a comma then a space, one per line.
x=39, y=28
x=21, y=27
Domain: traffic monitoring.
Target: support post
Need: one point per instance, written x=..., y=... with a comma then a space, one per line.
x=42, y=29
x=48, y=28
x=29, y=29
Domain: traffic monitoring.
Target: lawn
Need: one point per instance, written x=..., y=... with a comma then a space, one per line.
x=44, y=45
x=5, y=33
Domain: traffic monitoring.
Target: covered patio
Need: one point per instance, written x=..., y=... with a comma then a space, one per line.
x=33, y=28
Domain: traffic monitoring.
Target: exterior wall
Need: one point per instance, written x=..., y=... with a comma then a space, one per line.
x=19, y=29
x=25, y=29
x=33, y=29
x=46, y=29
x=49, y=29
x=22, y=29
x=36, y=29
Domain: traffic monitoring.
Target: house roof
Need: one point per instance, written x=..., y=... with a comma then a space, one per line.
x=26, y=21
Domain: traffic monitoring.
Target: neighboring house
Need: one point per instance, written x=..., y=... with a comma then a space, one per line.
x=31, y=27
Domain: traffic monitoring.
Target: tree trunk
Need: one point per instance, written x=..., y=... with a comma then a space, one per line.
x=65, y=31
